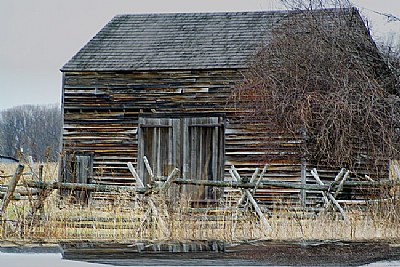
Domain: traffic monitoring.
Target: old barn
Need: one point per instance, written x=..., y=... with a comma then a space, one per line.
x=159, y=85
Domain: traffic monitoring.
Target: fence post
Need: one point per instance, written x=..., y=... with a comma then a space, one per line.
x=10, y=191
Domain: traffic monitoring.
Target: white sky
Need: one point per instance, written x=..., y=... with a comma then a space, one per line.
x=38, y=36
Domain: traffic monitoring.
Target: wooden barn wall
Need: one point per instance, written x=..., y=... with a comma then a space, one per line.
x=101, y=111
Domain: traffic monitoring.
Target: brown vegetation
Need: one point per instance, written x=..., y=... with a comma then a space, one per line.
x=123, y=218
x=324, y=79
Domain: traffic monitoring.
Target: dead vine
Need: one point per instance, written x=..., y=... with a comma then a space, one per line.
x=321, y=76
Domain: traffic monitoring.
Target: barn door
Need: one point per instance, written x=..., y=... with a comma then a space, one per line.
x=159, y=142
x=194, y=145
x=203, y=157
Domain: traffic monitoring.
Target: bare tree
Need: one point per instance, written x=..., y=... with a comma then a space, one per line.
x=321, y=76
x=33, y=130
x=315, y=4
x=390, y=49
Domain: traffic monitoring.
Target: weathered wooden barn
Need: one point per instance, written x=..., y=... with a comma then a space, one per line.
x=159, y=85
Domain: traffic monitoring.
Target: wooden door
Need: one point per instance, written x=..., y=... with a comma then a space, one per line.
x=194, y=145
x=203, y=158
x=159, y=141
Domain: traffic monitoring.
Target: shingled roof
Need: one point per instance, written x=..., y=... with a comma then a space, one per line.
x=177, y=41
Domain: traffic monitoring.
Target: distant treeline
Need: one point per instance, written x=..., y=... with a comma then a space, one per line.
x=31, y=130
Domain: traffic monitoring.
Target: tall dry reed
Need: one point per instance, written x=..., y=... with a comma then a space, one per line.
x=123, y=218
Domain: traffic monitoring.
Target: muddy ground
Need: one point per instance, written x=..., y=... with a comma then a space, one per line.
x=317, y=253
x=254, y=253
x=266, y=253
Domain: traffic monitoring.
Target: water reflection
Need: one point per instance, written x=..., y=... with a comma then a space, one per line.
x=383, y=264
x=40, y=260
x=55, y=259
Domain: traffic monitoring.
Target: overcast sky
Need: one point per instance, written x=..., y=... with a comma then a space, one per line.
x=37, y=37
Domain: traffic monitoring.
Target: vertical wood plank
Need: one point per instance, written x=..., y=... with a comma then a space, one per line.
x=141, y=148
x=215, y=156
x=186, y=152
x=303, y=180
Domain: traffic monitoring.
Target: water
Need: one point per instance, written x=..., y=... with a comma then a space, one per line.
x=55, y=259
x=40, y=260
x=178, y=262
x=383, y=264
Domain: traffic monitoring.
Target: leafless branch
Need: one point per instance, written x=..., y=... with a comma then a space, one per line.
x=321, y=75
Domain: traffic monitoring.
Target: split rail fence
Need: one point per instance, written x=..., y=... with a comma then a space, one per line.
x=246, y=189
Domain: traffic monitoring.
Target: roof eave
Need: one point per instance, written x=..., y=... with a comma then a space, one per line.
x=241, y=66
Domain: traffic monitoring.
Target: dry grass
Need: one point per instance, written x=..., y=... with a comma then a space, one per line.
x=126, y=219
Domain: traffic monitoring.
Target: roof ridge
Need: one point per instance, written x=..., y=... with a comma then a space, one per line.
x=281, y=11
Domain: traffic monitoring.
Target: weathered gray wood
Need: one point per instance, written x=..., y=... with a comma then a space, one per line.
x=11, y=188
x=15, y=196
x=169, y=178
x=369, y=178
x=215, y=149
x=148, y=167
x=103, y=112
x=370, y=183
x=139, y=182
x=397, y=171
x=327, y=195
x=255, y=174
x=83, y=171
x=140, y=151
x=260, y=178
x=266, y=184
x=235, y=175
x=252, y=180
x=38, y=205
x=196, y=153
x=236, y=178
x=338, y=178
x=261, y=215
x=186, y=170
x=20, y=191
x=303, y=179
x=11, y=175
x=316, y=177
x=339, y=188
x=87, y=187
x=341, y=184
x=40, y=172
x=32, y=167
x=243, y=196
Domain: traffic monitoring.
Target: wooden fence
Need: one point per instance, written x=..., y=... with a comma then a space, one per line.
x=245, y=189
